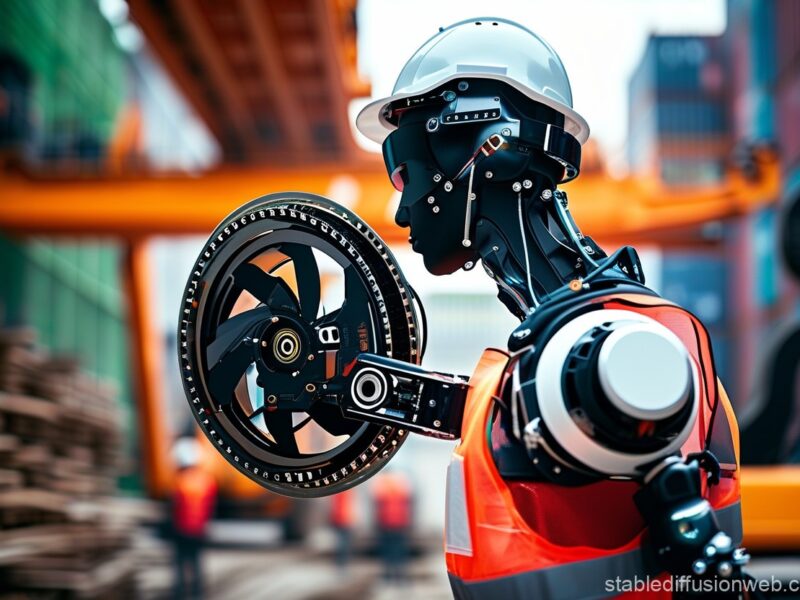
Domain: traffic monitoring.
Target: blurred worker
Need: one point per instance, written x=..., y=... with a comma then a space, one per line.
x=193, y=503
x=392, y=496
x=342, y=519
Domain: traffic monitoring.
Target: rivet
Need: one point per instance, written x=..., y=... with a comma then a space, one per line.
x=431, y=199
x=437, y=423
x=488, y=174
x=274, y=319
x=463, y=86
x=527, y=184
x=310, y=387
x=466, y=243
x=435, y=209
x=431, y=402
x=311, y=357
x=432, y=124
x=468, y=265
x=437, y=177
x=264, y=343
x=272, y=399
x=546, y=195
x=517, y=186
x=495, y=248
x=448, y=186
x=505, y=131
x=472, y=196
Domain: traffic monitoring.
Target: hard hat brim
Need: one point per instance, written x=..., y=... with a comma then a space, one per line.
x=372, y=123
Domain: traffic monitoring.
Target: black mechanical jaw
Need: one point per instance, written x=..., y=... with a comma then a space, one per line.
x=682, y=526
x=394, y=392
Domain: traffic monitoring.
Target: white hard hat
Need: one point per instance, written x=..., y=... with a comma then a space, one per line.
x=486, y=48
x=186, y=452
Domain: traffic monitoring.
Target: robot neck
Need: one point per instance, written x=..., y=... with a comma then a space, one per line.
x=529, y=245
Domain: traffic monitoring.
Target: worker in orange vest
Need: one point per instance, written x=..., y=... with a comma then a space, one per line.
x=193, y=500
x=393, y=501
x=598, y=453
x=342, y=519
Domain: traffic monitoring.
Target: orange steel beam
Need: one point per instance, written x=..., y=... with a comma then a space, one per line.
x=214, y=60
x=613, y=211
x=770, y=500
x=155, y=441
x=261, y=27
x=323, y=15
x=165, y=49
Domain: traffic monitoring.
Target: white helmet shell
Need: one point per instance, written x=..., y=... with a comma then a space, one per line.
x=486, y=48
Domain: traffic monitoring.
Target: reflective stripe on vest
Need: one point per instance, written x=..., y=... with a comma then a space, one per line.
x=456, y=517
x=583, y=579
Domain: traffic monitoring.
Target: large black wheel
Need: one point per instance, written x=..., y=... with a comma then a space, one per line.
x=287, y=292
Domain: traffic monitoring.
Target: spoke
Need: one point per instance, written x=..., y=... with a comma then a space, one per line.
x=307, y=275
x=331, y=419
x=229, y=355
x=279, y=425
x=269, y=290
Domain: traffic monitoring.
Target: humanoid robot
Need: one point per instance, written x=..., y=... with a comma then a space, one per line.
x=599, y=445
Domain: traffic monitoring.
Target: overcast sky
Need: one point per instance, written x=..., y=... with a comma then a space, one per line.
x=600, y=43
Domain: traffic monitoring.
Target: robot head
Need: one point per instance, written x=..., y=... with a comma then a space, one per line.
x=485, y=104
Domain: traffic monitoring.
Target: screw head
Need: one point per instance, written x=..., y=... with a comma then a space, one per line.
x=488, y=174
x=448, y=186
x=274, y=319
x=311, y=357
x=527, y=184
x=310, y=387
x=468, y=265
x=472, y=196
x=272, y=399
x=432, y=124
x=463, y=86
x=449, y=96
x=431, y=402
x=466, y=243
x=725, y=569
x=435, y=209
x=437, y=423
x=699, y=567
x=546, y=195
x=505, y=131
x=437, y=177
x=431, y=199
x=517, y=186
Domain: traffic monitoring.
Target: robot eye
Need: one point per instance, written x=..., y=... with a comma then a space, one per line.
x=399, y=178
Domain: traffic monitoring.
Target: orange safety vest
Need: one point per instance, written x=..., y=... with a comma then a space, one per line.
x=193, y=503
x=579, y=538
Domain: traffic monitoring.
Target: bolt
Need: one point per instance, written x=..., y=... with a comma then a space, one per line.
x=437, y=423
x=699, y=567
x=466, y=243
x=435, y=209
x=472, y=196
x=725, y=569
x=547, y=194
x=468, y=265
x=449, y=96
x=488, y=174
x=463, y=86
x=431, y=402
x=495, y=248
x=589, y=250
x=437, y=178
x=432, y=124
x=310, y=387
x=431, y=199
x=527, y=184
x=505, y=131
x=448, y=187
x=517, y=187
x=272, y=399
x=274, y=319
x=264, y=343
x=311, y=357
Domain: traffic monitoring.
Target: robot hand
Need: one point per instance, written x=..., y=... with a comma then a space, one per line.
x=682, y=526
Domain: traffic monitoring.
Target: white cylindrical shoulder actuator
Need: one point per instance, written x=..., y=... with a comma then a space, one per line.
x=616, y=391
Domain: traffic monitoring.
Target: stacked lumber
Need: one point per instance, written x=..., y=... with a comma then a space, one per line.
x=60, y=442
